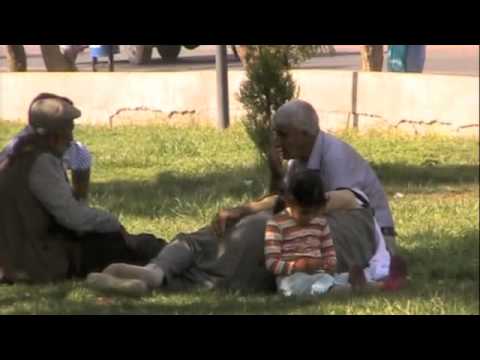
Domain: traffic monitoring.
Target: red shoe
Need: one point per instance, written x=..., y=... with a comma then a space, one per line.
x=398, y=275
x=394, y=284
x=398, y=267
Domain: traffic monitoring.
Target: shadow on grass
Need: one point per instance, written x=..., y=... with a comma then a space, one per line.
x=444, y=258
x=402, y=174
x=219, y=302
x=59, y=300
x=175, y=191
x=172, y=191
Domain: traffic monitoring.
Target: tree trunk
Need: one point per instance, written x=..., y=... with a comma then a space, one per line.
x=55, y=60
x=372, y=57
x=242, y=54
x=16, y=58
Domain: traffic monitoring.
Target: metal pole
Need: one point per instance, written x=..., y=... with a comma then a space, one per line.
x=110, y=59
x=222, y=86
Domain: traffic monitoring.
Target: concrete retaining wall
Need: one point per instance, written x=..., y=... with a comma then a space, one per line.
x=343, y=99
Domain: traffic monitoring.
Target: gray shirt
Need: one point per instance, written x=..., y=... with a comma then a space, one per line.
x=49, y=185
x=341, y=166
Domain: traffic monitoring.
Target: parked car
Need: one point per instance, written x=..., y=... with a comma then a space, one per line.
x=142, y=54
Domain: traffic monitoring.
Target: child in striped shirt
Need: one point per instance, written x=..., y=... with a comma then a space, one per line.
x=299, y=248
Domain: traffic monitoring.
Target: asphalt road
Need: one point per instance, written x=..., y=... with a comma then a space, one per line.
x=441, y=59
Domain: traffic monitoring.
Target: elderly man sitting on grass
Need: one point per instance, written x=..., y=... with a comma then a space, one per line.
x=46, y=233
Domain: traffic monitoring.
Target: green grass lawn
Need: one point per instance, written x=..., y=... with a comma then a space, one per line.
x=165, y=180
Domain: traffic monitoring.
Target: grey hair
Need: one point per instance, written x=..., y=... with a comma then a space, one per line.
x=298, y=114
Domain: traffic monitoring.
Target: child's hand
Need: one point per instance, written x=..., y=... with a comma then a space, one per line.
x=300, y=265
x=308, y=265
x=313, y=265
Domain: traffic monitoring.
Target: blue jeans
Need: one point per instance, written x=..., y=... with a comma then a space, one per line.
x=310, y=284
x=415, y=58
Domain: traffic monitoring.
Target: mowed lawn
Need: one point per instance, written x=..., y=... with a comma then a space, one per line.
x=164, y=180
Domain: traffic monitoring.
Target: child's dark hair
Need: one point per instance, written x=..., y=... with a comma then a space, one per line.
x=306, y=188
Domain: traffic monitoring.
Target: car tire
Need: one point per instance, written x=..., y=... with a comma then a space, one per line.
x=169, y=52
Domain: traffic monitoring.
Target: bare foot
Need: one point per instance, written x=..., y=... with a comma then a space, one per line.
x=106, y=282
x=152, y=275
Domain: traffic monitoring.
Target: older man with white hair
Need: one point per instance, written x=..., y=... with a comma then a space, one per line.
x=298, y=138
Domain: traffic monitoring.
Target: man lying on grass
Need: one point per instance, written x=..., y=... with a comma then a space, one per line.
x=230, y=254
x=236, y=260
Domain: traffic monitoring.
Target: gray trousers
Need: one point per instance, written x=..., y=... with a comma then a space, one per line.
x=177, y=260
x=237, y=261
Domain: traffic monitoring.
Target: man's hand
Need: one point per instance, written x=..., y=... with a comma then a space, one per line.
x=226, y=217
x=275, y=160
x=341, y=199
x=275, y=163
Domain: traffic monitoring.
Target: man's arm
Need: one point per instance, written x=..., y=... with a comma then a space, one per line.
x=48, y=184
x=341, y=199
x=226, y=217
x=277, y=172
x=80, y=183
x=264, y=203
x=79, y=160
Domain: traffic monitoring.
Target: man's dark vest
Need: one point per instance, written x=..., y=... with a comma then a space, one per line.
x=32, y=248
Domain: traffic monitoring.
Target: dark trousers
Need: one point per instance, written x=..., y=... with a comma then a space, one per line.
x=93, y=252
x=97, y=251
